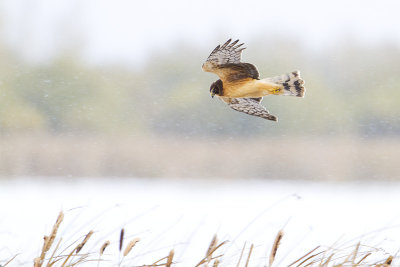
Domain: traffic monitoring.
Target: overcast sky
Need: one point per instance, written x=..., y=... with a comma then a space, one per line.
x=122, y=30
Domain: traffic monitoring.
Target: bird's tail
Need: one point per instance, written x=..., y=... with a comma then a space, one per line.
x=292, y=83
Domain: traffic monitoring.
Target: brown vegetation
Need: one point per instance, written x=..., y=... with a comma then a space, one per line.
x=352, y=256
x=154, y=156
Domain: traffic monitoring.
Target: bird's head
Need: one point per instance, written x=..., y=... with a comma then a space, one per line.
x=216, y=88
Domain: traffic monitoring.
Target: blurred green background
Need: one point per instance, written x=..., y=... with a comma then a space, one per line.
x=66, y=116
x=351, y=90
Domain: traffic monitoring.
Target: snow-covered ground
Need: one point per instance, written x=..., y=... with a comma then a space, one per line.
x=185, y=214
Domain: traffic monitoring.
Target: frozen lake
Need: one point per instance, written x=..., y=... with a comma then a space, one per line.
x=185, y=214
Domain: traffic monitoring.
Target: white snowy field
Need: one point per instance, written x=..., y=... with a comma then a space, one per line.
x=185, y=214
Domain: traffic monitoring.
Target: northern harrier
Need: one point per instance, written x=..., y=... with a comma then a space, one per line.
x=240, y=86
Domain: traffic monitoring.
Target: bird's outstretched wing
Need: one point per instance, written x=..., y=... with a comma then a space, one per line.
x=224, y=61
x=251, y=106
x=226, y=53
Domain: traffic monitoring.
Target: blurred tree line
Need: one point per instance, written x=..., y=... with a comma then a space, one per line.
x=351, y=89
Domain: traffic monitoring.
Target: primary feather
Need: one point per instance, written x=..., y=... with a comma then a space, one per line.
x=227, y=53
x=251, y=106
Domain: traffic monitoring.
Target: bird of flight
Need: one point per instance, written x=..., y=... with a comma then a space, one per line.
x=240, y=86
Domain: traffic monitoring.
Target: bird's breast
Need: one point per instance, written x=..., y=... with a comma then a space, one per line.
x=242, y=88
x=249, y=88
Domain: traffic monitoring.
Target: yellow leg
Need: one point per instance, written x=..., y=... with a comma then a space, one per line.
x=277, y=91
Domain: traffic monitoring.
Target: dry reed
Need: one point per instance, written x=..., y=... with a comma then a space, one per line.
x=10, y=260
x=212, y=245
x=301, y=258
x=275, y=246
x=241, y=254
x=80, y=246
x=130, y=246
x=248, y=257
x=121, y=238
x=211, y=249
x=104, y=246
x=170, y=257
x=359, y=255
x=363, y=258
x=48, y=240
x=388, y=262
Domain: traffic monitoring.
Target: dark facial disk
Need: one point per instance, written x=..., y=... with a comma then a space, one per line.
x=216, y=88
